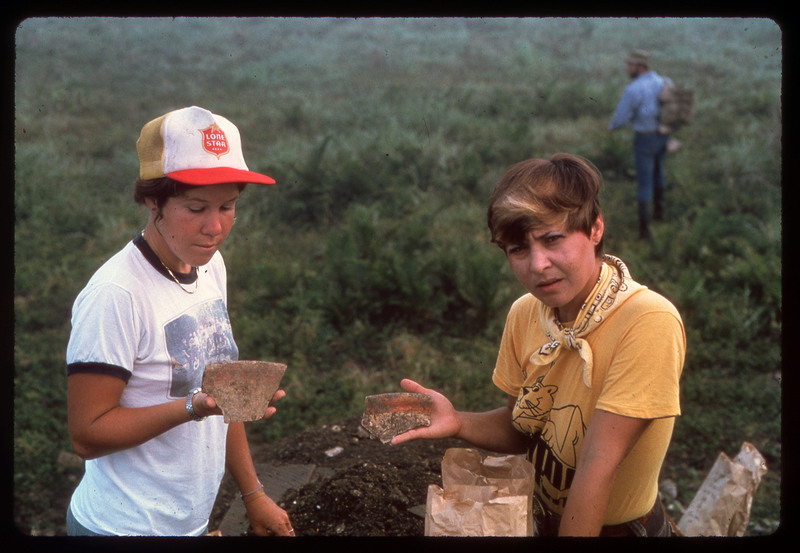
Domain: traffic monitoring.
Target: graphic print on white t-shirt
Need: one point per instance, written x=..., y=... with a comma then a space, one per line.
x=194, y=339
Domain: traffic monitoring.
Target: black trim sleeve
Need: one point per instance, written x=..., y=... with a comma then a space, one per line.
x=99, y=368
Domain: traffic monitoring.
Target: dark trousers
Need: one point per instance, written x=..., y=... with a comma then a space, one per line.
x=655, y=523
x=649, y=154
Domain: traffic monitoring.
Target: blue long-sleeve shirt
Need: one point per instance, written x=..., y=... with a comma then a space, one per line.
x=639, y=104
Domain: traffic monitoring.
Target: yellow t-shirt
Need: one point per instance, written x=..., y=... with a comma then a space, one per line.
x=638, y=357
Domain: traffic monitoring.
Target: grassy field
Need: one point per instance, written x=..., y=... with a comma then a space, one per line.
x=370, y=260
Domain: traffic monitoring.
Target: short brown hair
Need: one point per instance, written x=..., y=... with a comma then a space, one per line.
x=539, y=192
x=161, y=189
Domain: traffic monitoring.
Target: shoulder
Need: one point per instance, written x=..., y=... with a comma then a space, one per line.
x=646, y=316
x=217, y=263
x=647, y=301
x=216, y=269
x=523, y=314
x=524, y=306
x=116, y=275
x=633, y=87
x=655, y=82
x=643, y=83
x=524, y=302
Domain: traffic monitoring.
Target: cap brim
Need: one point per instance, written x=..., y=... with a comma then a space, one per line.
x=219, y=175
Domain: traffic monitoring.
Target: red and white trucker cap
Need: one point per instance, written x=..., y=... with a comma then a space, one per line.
x=194, y=146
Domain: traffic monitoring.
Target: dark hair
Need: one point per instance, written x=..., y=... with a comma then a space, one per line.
x=539, y=192
x=162, y=189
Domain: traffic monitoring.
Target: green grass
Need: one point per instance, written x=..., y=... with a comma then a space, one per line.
x=370, y=260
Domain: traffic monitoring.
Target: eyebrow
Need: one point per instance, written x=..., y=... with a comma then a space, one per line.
x=547, y=233
x=204, y=200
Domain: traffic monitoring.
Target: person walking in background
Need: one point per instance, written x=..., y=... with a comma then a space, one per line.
x=639, y=107
x=156, y=447
x=590, y=361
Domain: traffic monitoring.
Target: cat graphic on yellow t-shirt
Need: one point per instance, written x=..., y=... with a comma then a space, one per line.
x=561, y=428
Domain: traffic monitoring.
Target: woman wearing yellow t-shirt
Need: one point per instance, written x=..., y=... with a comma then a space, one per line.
x=590, y=360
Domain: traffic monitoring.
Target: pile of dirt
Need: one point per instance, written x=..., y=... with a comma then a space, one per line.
x=373, y=489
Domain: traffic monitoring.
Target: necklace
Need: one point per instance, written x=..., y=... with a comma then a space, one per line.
x=171, y=274
x=178, y=282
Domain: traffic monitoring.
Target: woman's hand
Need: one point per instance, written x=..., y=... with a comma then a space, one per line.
x=267, y=518
x=444, y=420
x=490, y=430
x=271, y=410
x=205, y=406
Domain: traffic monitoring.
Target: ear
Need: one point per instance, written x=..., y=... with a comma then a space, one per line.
x=151, y=205
x=597, y=229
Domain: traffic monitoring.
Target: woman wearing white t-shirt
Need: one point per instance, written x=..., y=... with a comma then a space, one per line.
x=155, y=446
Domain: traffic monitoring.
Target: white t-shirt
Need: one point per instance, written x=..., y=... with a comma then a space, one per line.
x=134, y=322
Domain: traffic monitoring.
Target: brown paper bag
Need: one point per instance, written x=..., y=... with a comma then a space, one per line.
x=481, y=496
x=722, y=505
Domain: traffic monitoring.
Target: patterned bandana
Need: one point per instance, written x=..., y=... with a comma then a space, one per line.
x=614, y=286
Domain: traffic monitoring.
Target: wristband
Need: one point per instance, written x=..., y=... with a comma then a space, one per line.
x=255, y=495
x=260, y=487
x=189, y=408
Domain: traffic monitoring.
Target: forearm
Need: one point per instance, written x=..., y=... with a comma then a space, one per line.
x=266, y=517
x=122, y=428
x=491, y=430
x=586, y=506
x=608, y=440
x=238, y=459
x=622, y=115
